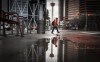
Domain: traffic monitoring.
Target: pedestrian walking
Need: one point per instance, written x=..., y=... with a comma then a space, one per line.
x=55, y=25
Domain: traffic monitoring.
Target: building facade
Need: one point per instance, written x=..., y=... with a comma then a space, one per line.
x=89, y=11
x=84, y=13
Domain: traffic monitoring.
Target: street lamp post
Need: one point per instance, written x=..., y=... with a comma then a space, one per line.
x=85, y=28
x=52, y=5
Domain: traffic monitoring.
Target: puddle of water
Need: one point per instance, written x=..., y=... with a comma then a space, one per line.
x=51, y=53
x=82, y=49
x=56, y=49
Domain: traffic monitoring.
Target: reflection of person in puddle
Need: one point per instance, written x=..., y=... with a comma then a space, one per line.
x=54, y=41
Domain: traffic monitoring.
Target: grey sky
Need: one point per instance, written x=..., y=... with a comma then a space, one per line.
x=52, y=0
x=55, y=8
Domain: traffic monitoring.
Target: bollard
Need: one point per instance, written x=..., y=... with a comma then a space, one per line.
x=23, y=27
x=17, y=30
x=12, y=29
x=4, y=32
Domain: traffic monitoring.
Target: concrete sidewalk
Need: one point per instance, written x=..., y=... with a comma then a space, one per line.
x=34, y=36
x=27, y=37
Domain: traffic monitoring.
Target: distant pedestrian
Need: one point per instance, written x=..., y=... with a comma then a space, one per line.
x=55, y=25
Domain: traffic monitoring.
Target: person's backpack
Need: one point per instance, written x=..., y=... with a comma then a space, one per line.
x=53, y=23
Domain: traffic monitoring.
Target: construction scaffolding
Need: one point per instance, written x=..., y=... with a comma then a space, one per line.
x=30, y=15
x=31, y=11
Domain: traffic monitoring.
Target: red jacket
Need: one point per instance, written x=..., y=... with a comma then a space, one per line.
x=55, y=22
x=54, y=41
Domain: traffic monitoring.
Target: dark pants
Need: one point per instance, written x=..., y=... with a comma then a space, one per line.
x=55, y=27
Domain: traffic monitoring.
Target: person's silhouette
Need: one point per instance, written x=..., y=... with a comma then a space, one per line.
x=55, y=25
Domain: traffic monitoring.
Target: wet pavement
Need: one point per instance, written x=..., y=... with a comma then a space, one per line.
x=64, y=47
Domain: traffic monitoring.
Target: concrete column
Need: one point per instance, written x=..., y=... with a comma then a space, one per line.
x=61, y=9
x=60, y=51
x=65, y=51
x=41, y=22
x=70, y=51
x=66, y=12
